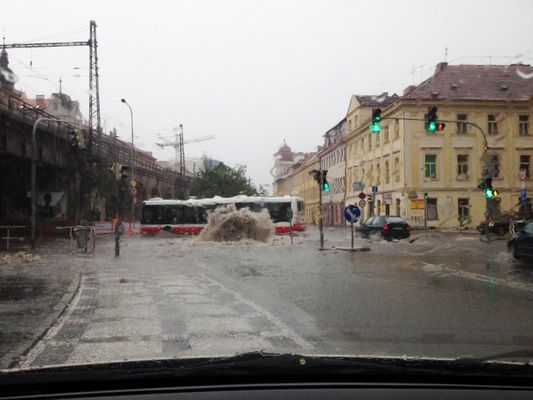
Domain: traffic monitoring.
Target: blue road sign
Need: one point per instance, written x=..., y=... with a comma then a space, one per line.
x=352, y=213
x=523, y=193
x=374, y=189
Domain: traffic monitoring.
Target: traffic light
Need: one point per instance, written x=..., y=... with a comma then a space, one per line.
x=72, y=138
x=426, y=196
x=431, y=120
x=376, y=118
x=124, y=171
x=80, y=138
x=321, y=178
x=486, y=186
x=440, y=126
x=325, y=184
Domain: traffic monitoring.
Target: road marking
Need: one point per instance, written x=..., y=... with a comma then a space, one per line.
x=286, y=330
x=54, y=329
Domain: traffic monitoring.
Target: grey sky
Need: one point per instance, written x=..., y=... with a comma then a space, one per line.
x=252, y=73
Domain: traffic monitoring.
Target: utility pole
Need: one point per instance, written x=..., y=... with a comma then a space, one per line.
x=320, y=223
x=117, y=194
x=34, y=178
x=179, y=150
x=94, y=88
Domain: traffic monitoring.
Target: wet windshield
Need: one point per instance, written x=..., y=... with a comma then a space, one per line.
x=187, y=179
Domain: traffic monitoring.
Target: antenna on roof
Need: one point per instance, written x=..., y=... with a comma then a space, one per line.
x=445, y=54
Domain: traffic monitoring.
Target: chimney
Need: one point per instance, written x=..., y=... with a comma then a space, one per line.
x=409, y=89
x=440, y=66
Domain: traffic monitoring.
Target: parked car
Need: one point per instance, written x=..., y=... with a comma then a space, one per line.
x=499, y=228
x=389, y=227
x=521, y=243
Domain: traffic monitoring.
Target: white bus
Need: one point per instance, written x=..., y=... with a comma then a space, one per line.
x=188, y=217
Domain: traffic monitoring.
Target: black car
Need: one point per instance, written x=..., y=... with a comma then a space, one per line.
x=499, y=228
x=521, y=243
x=390, y=227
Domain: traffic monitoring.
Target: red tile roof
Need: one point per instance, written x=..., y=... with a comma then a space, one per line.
x=476, y=82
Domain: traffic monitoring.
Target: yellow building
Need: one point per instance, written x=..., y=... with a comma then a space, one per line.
x=306, y=187
x=404, y=161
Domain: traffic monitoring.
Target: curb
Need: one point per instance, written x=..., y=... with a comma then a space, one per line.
x=58, y=310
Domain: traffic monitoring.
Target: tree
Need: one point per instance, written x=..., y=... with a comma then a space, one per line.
x=223, y=181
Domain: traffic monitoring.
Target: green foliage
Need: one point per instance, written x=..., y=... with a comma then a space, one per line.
x=223, y=181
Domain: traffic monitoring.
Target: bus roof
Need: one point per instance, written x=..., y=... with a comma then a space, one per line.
x=222, y=200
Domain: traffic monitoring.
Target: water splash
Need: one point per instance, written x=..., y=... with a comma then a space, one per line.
x=227, y=224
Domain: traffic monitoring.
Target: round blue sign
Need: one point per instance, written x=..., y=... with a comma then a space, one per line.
x=352, y=213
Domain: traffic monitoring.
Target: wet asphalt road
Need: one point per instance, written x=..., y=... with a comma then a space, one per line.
x=444, y=295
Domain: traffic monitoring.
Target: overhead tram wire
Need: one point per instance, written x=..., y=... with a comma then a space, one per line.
x=70, y=32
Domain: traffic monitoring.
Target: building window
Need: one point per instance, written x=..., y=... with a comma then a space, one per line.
x=431, y=166
x=350, y=124
x=432, y=213
x=492, y=124
x=524, y=163
x=397, y=169
x=377, y=139
x=495, y=163
x=523, y=124
x=386, y=135
x=369, y=141
x=398, y=202
x=463, y=208
x=396, y=129
x=378, y=174
x=462, y=164
x=387, y=172
x=461, y=124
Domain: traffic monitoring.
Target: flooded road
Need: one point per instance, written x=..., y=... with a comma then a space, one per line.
x=443, y=295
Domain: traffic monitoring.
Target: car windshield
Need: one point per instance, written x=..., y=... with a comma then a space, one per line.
x=216, y=177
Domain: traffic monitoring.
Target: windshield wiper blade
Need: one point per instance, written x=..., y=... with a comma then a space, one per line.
x=526, y=354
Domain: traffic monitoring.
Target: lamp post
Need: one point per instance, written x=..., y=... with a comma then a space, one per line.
x=34, y=177
x=132, y=161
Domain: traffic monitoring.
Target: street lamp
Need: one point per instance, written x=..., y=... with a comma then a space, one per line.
x=132, y=160
x=34, y=177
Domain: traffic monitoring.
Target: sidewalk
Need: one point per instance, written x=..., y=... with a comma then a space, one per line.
x=33, y=295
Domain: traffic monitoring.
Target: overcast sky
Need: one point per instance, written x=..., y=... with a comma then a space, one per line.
x=252, y=73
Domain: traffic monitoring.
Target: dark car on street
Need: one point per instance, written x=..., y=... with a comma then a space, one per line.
x=389, y=227
x=500, y=228
x=521, y=243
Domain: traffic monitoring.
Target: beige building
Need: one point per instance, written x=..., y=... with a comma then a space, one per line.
x=284, y=159
x=404, y=161
x=333, y=160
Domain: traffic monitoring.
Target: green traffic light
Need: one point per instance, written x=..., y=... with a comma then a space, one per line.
x=326, y=187
x=489, y=194
x=432, y=127
x=374, y=127
x=426, y=195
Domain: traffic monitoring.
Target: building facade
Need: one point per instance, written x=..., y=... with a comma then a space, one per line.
x=404, y=161
x=284, y=159
x=365, y=150
x=333, y=160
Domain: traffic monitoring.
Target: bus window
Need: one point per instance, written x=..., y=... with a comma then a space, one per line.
x=257, y=207
x=190, y=215
x=148, y=215
x=279, y=212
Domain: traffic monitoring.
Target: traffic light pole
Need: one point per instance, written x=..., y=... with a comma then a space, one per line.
x=320, y=224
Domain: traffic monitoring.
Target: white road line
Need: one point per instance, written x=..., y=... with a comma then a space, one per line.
x=54, y=329
x=286, y=330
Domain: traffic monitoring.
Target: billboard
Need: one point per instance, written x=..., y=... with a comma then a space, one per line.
x=52, y=205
